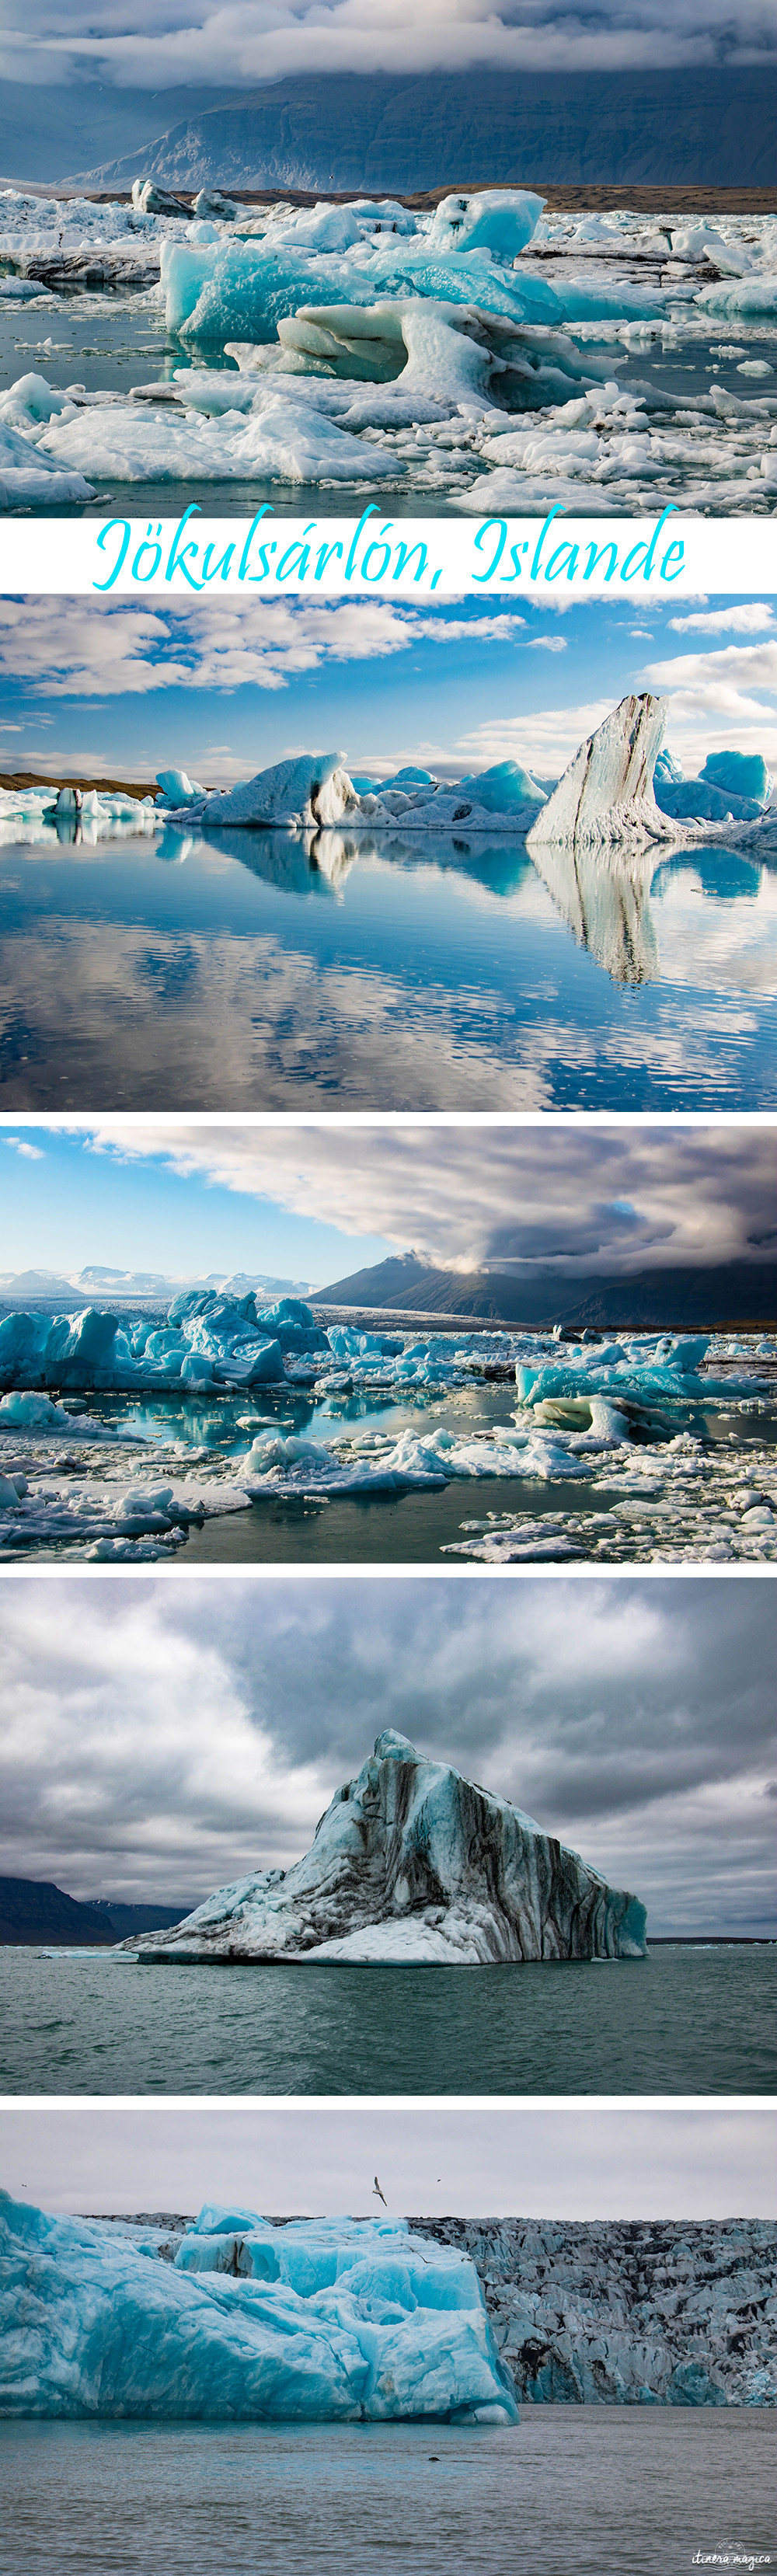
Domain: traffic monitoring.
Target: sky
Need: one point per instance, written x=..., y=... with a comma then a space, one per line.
x=246, y=41
x=164, y=1737
x=320, y=1199
x=498, y=2160
x=225, y=688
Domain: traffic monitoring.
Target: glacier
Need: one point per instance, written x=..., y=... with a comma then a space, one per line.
x=657, y=2312
x=414, y=1864
x=340, y=2320
x=487, y=352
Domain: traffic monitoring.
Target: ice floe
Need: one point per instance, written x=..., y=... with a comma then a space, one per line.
x=333, y=2319
x=625, y=1430
x=415, y=1864
x=486, y=350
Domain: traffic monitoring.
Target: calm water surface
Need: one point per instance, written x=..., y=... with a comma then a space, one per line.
x=681, y=2021
x=251, y=974
x=597, y=2491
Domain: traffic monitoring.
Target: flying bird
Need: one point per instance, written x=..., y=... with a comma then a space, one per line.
x=377, y=2194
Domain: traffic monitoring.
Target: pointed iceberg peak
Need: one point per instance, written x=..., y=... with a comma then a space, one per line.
x=391, y=1747
x=606, y=794
x=415, y=1865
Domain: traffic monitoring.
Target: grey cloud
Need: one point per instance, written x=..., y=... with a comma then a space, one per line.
x=528, y=2159
x=467, y=1194
x=165, y=1737
x=254, y=41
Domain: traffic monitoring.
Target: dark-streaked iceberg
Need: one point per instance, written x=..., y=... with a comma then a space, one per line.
x=338, y=2319
x=606, y=795
x=413, y=1864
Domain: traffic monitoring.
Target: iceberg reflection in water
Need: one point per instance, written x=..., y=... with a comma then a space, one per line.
x=266, y=969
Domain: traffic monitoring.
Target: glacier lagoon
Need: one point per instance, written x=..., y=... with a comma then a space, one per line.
x=127, y=1435
x=262, y=970
x=380, y=2500
x=687, y=2019
x=486, y=358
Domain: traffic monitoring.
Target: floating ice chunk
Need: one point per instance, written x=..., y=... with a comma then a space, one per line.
x=322, y=2320
x=280, y=438
x=752, y=294
x=496, y=219
x=176, y=789
x=504, y=786
x=28, y=479
x=313, y=790
x=148, y=199
x=210, y=202
x=606, y=794
x=743, y=771
x=413, y=1862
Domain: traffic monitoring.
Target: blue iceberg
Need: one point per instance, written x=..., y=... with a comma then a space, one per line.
x=347, y=2320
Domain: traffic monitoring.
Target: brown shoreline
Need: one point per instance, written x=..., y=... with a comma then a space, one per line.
x=601, y=197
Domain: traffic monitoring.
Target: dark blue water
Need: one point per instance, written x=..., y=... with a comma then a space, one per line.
x=681, y=2021
x=240, y=977
x=589, y=2491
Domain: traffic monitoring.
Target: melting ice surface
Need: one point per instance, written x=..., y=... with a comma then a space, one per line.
x=491, y=356
x=643, y=1445
x=414, y=1864
x=355, y=2321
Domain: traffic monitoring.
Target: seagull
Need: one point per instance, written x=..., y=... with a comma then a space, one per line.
x=377, y=2194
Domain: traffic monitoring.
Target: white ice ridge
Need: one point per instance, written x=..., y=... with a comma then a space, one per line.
x=340, y=2319
x=414, y=1864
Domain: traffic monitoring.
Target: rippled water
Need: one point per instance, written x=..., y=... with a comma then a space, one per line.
x=251, y=975
x=601, y=2491
x=684, y=2020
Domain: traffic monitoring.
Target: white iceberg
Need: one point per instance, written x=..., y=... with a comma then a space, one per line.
x=310, y=791
x=413, y=1863
x=606, y=794
x=355, y=2321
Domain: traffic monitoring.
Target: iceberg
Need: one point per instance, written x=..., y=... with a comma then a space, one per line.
x=208, y=1339
x=311, y=791
x=743, y=772
x=416, y=1865
x=606, y=797
x=176, y=788
x=340, y=2320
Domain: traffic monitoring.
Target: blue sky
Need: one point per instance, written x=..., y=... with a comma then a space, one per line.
x=118, y=688
x=66, y=1205
x=318, y=1199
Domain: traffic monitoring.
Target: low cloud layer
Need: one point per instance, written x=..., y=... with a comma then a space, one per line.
x=163, y=1738
x=243, y=42
x=588, y=1199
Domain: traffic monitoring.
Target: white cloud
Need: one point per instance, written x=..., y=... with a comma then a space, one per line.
x=543, y=742
x=32, y=1153
x=750, y=617
x=84, y=647
x=466, y=1194
x=716, y=700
